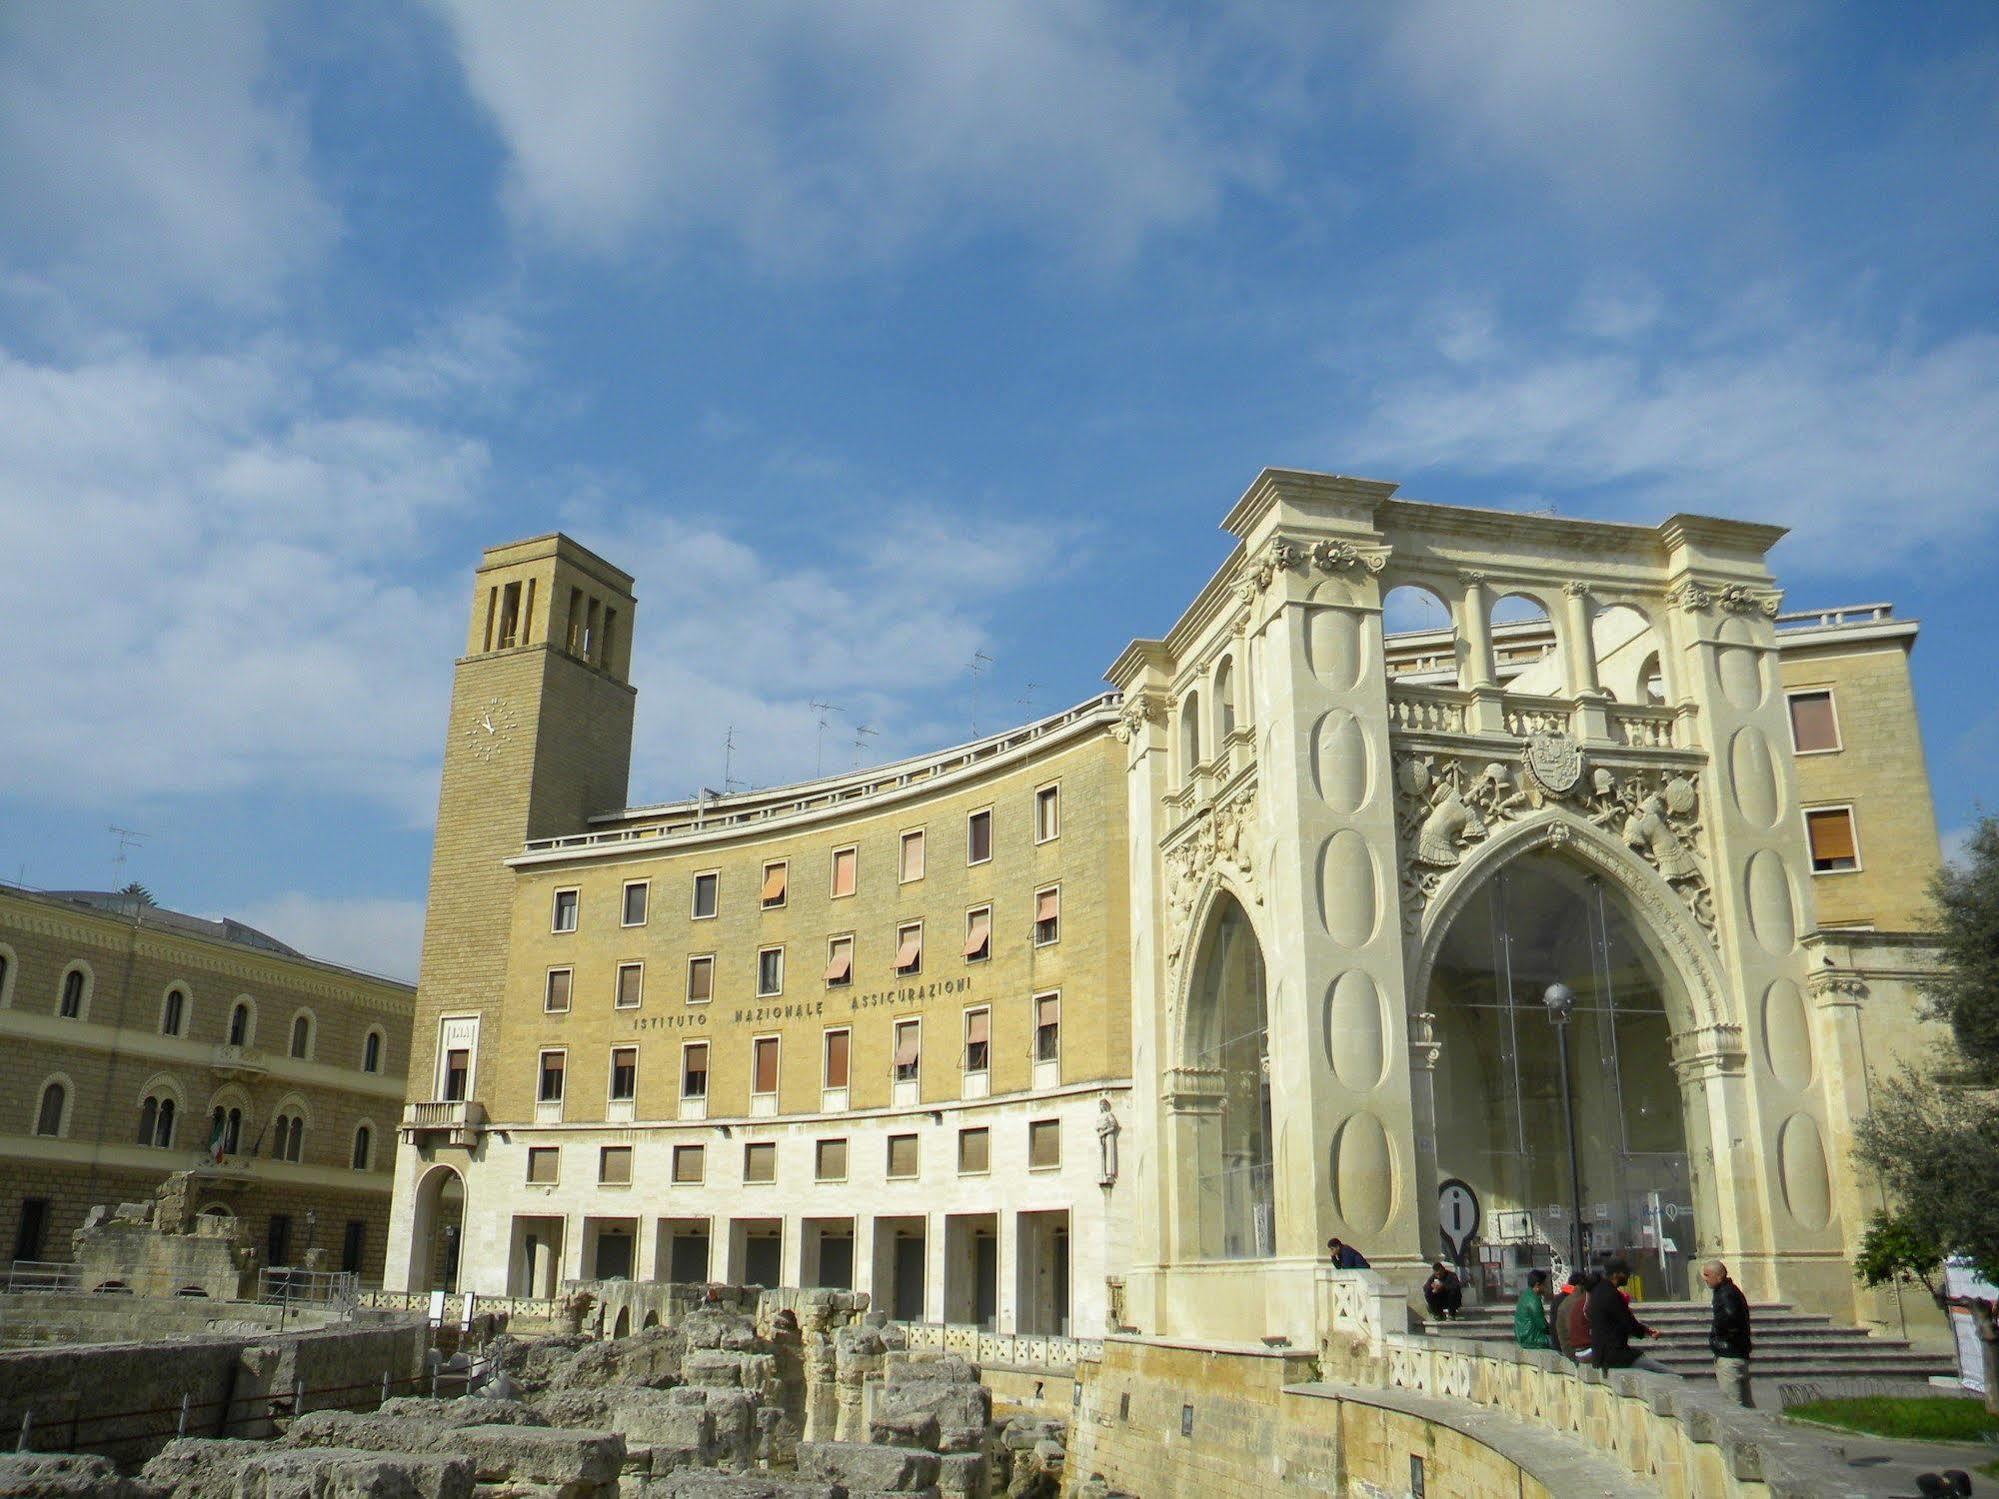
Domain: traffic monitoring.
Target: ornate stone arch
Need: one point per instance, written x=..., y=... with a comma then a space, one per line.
x=1678, y=942
x=1200, y=914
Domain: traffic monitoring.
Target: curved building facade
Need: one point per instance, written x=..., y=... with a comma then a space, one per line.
x=1444, y=880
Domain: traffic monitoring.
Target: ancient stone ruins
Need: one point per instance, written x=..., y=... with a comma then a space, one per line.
x=762, y=1395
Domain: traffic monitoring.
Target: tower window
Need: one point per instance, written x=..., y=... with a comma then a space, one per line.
x=364, y=1140
x=1814, y=724
x=173, y=1014
x=72, y=994
x=371, y=1052
x=239, y=1025
x=1835, y=850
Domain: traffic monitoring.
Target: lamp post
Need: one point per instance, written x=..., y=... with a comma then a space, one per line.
x=1561, y=1002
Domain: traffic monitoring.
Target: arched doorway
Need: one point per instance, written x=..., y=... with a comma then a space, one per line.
x=437, y=1231
x=1608, y=1151
x=1226, y=1142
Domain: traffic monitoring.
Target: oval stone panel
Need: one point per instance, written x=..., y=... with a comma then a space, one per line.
x=1363, y=1174
x=1348, y=900
x=1772, y=917
x=1356, y=1031
x=1752, y=771
x=1340, y=766
x=1787, y=1034
x=1807, y=1183
x=1333, y=647
x=1739, y=664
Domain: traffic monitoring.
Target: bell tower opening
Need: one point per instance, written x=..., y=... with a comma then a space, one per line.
x=1556, y=1099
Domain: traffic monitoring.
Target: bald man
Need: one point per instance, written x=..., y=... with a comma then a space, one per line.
x=1728, y=1338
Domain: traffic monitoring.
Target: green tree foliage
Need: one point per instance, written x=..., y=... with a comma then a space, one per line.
x=1895, y=1249
x=1965, y=995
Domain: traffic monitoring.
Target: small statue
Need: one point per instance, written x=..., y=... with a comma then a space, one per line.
x=1107, y=1133
x=1451, y=824
x=1648, y=831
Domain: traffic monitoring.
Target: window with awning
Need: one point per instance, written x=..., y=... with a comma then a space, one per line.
x=846, y=871
x=694, y=1070
x=908, y=1050
x=978, y=1038
x=912, y=856
x=979, y=935
x=840, y=960
x=1834, y=847
x=1047, y=1027
x=909, y=949
x=836, y=1059
x=1047, y=916
x=763, y=1072
x=775, y=876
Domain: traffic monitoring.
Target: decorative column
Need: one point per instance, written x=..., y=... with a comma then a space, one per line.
x=1589, y=723
x=1709, y=1062
x=1424, y=1052
x=1478, y=674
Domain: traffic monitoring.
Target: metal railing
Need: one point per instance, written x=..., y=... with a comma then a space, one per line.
x=289, y=1285
x=48, y=1276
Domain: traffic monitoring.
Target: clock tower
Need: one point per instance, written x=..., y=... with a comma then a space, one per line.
x=539, y=739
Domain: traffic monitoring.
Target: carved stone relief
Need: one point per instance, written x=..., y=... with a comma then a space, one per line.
x=1285, y=554
x=1730, y=598
x=1446, y=803
x=1218, y=843
x=1138, y=712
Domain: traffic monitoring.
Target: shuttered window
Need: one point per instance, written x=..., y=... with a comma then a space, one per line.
x=912, y=856
x=836, y=1059
x=909, y=949
x=979, y=935
x=701, y=979
x=542, y=1161
x=763, y=1072
x=760, y=1161
x=614, y=1165
x=1047, y=916
x=1044, y=1143
x=846, y=871
x=908, y=1050
x=690, y=1163
x=1833, y=845
x=631, y=983
x=1814, y=725
x=978, y=1038
x=694, y=1070
x=556, y=999
x=974, y=1153
x=832, y=1161
x=902, y=1155
x=840, y=961
x=1047, y=1027
x=776, y=876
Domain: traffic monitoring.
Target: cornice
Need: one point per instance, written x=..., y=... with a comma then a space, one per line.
x=1302, y=486
x=200, y=1056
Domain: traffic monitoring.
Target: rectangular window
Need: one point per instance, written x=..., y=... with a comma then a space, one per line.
x=353, y=1245
x=763, y=1065
x=770, y=970
x=901, y=1156
x=846, y=871
x=831, y=1163
x=974, y=1153
x=1814, y=724
x=911, y=865
x=978, y=1039
x=614, y=1165
x=457, y=1074
x=555, y=999
x=760, y=1161
x=707, y=891
x=908, y=1050
x=624, y=1073
x=836, y=1059
x=631, y=983
x=979, y=934
x=909, y=948
x=1044, y=1144
x=542, y=1164
x=1834, y=848
x=690, y=1164
x=1047, y=814
x=1047, y=1027
x=694, y=1070
x=979, y=837
x=553, y=1065
x=701, y=979
x=635, y=902
x=840, y=961
x=567, y=905
x=777, y=875
x=1047, y=915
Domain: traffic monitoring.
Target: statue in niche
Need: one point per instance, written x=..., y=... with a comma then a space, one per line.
x=1107, y=1133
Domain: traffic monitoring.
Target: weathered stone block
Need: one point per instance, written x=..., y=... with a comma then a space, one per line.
x=205, y=1468
x=867, y=1466
x=62, y=1475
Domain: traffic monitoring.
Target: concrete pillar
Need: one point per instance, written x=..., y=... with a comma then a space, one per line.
x=1424, y=1052
x=934, y=1235
x=1007, y=1259
x=1588, y=722
x=864, y=1256
x=1477, y=672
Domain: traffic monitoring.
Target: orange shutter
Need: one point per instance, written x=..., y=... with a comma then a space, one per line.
x=836, y=1059
x=978, y=932
x=841, y=963
x=1832, y=836
x=844, y=862
x=1045, y=905
x=978, y=1027
x=906, y=1037
x=766, y=1067
x=773, y=890
x=911, y=950
x=1813, y=726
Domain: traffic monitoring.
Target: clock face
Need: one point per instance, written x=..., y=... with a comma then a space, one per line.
x=489, y=726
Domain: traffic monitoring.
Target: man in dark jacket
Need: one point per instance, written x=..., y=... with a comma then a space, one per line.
x=1443, y=1291
x=1570, y=1295
x=1345, y=1256
x=1728, y=1338
x=1612, y=1326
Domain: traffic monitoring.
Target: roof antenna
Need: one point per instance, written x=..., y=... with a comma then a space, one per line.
x=819, y=755
x=862, y=734
x=127, y=838
x=976, y=668
x=730, y=785
x=1026, y=699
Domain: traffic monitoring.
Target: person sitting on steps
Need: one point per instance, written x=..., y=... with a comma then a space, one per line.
x=1444, y=1292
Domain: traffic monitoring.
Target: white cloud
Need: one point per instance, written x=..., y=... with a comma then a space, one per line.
x=1828, y=431
x=149, y=154
x=1605, y=100
x=812, y=133
x=372, y=934
x=207, y=562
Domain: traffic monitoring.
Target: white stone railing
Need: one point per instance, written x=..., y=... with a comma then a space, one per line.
x=1535, y=715
x=1641, y=726
x=440, y=1113
x=1437, y=710
x=1833, y=619
x=1003, y=1350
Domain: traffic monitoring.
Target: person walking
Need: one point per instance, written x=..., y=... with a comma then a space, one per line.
x=1530, y=1313
x=1728, y=1337
x=1345, y=1256
x=1612, y=1325
x=1443, y=1292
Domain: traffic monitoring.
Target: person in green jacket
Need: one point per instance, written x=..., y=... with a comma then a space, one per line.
x=1530, y=1313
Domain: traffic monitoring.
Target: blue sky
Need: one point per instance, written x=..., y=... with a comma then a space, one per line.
x=870, y=336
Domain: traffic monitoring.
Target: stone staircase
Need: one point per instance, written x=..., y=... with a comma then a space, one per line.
x=1790, y=1346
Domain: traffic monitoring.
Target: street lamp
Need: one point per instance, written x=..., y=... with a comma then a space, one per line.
x=1561, y=1002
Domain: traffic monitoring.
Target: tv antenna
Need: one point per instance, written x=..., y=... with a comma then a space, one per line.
x=819, y=754
x=1026, y=699
x=729, y=782
x=862, y=734
x=127, y=838
x=977, y=667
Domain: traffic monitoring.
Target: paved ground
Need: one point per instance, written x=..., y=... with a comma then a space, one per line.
x=1882, y=1467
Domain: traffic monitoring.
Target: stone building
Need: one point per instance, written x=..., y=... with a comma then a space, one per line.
x=1116, y=1018
x=142, y=1041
